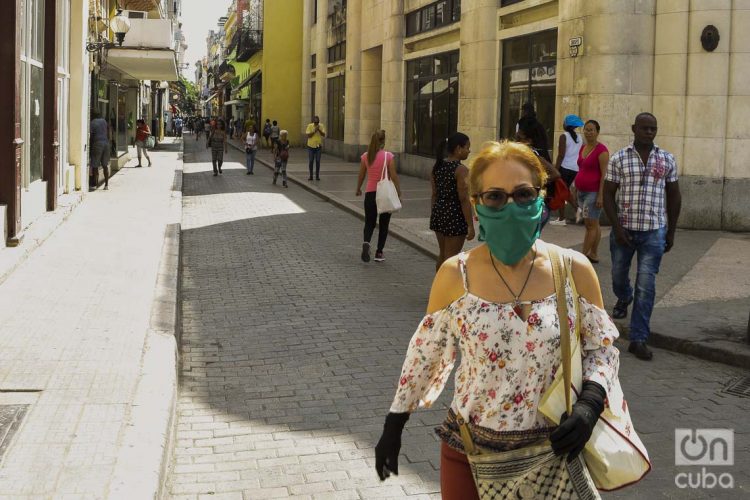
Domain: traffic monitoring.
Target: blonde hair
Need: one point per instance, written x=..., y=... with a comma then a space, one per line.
x=377, y=140
x=494, y=151
x=283, y=133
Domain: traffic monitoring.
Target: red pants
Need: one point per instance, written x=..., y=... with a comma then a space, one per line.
x=456, y=480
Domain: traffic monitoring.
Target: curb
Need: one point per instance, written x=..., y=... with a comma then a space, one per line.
x=397, y=232
x=728, y=355
x=144, y=455
x=36, y=234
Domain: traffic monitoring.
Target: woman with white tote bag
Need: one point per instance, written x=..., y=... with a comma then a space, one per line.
x=382, y=189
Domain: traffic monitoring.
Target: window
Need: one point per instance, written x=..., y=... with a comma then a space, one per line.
x=431, y=101
x=434, y=15
x=336, y=98
x=529, y=75
x=337, y=52
x=313, y=61
x=315, y=11
x=32, y=89
x=503, y=3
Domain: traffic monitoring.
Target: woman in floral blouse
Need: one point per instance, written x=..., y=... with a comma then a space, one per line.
x=496, y=305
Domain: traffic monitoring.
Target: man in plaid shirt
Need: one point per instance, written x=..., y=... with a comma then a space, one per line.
x=644, y=218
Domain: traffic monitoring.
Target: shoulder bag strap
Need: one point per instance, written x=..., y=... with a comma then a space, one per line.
x=559, y=275
x=384, y=174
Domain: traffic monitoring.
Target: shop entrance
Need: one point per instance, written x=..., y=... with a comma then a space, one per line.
x=529, y=75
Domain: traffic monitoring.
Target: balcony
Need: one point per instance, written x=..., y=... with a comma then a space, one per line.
x=249, y=43
x=149, y=33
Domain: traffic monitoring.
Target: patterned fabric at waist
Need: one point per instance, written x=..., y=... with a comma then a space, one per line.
x=488, y=439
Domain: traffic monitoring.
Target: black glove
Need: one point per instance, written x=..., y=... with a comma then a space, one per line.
x=386, y=451
x=575, y=430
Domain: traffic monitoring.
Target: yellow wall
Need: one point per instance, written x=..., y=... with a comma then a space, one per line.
x=282, y=65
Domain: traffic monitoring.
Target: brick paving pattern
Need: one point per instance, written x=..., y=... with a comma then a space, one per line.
x=291, y=348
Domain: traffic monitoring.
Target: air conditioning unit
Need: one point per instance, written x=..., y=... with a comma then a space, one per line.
x=135, y=14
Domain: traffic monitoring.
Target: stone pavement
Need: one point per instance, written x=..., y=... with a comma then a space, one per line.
x=291, y=349
x=703, y=289
x=74, y=318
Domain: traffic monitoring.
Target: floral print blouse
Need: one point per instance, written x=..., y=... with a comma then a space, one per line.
x=506, y=363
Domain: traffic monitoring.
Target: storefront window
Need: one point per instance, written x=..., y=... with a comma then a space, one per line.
x=431, y=101
x=32, y=89
x=434, y=15
x=336, y=103
x=529, y=75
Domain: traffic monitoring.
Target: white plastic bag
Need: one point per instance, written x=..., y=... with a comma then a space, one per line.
x=386, y=196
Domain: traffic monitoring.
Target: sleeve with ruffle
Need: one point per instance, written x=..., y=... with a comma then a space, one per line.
x=601, y=359
x=429, y=362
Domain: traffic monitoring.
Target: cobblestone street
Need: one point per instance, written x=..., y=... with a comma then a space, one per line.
x=291, y=347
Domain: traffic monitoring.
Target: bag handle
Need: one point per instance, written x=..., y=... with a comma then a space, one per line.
x=384, y=173
x=558, y=272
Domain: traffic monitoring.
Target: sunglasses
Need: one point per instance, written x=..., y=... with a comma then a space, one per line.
x=497, y=198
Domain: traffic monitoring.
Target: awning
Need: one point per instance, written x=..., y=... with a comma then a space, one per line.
x=145, y=64
x=246, y=81
x=235, y=101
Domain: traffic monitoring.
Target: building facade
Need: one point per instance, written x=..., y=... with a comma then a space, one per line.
x=253, y=64
x=62, y=63
x=422, y=69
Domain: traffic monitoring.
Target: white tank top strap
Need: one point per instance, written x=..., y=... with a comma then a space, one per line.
x=462, y=266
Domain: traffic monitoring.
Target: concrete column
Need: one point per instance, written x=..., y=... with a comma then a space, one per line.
x=611, y=80
x=353, y=92
x=736, y=205
x=307, y=50
x=393, y=99
x=370, y=100
x=705, y=129
x=478, y=75
x=321, y=42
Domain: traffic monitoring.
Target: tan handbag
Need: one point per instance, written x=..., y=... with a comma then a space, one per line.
x=614, y=455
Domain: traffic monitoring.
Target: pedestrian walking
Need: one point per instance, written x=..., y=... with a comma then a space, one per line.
x=218, y=142
x=99, y=148
x=568, y=146
x=529, y=119
x=642, y=200
x=532, y=133
x=142, y=133
x=275, y=133
x=238, y=128
x=315, y=132
x=230, y=123
x=497, y=305
x=592, y=170
x=199, y=127
x=450, y=215
x=372, y=164
x=281, y=157
x=251, y=149
x=267, y=132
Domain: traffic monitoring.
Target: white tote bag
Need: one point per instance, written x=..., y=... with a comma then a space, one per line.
x=614, y=455
x=386, y=196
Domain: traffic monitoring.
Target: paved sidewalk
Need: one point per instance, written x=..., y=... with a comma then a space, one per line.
x=75, y=346
x=292, y=348
x=703, y=289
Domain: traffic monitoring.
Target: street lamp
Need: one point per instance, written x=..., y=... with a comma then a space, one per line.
x=120, y=25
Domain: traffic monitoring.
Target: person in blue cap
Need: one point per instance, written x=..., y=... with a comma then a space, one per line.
x=568, y=146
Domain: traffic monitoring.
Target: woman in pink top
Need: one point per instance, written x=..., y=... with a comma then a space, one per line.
x=592, y=169
x=372, y=164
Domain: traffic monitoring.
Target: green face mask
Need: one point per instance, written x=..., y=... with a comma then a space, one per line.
x=510, y=231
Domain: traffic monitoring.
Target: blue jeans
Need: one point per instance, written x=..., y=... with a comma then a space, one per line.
x=649, y=245
x=251, y=159
x=313, y=155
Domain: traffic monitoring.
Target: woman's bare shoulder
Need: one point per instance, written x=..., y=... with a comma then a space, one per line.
x=447, y=285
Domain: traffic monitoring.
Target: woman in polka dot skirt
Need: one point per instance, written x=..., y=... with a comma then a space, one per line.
x=451, y=215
